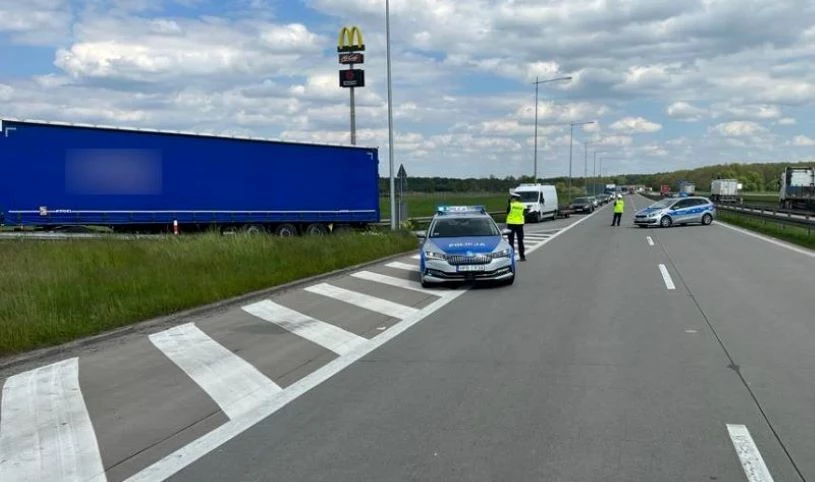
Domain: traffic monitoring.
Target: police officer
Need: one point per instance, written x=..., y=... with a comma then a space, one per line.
x=516, y=214
x=619, y=208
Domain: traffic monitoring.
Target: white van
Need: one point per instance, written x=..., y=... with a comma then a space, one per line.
x=541, y=199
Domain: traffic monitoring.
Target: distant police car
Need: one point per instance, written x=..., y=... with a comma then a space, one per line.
x=683, y=210
x=463, y=243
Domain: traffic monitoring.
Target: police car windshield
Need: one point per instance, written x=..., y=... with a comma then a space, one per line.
x=455, y=227
x=662, y=204
x=528, y=196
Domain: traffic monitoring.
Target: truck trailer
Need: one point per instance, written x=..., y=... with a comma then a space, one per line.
x=725, y=190
x=797, y=188
x=687, y=187
x=58, y=174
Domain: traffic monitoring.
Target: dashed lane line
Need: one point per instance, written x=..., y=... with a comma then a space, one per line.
x=328, y=336
x=362, y=300
x=234, y=384
x=751, y=461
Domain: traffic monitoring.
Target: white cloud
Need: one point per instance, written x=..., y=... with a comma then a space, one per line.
x=738, y=129
x=803, y=141
x=685, y=111
x=635, y=125
x=463, y=72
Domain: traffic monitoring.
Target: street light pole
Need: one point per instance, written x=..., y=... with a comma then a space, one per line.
x=537, y=83
x=390, y=115
x=571, y=137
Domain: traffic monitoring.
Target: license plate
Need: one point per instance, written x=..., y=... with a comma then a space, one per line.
x=472, y=267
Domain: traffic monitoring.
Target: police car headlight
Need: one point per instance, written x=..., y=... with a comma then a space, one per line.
x=434, y=255
x=504, y=253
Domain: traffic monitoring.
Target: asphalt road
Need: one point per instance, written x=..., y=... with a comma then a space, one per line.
x=619, y=354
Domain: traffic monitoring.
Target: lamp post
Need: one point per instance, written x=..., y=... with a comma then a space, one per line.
x=537, y=83
x=390, y=114
x=586, y=165
x=571, y=142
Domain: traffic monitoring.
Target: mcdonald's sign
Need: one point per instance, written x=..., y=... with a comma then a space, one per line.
x=345, y=42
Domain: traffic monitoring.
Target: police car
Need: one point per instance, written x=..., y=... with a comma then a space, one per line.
x=464, y=243
x=682, y=210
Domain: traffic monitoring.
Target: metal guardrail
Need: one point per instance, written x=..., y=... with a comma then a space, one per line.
x=426, y=219
x=785, y=217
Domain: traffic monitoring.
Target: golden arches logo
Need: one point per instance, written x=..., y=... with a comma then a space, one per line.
x=345, y=42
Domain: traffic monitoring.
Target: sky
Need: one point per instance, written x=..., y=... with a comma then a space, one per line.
x=668, y=84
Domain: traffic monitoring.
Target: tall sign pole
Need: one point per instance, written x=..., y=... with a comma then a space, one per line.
x=349, y=47
x=390, y=114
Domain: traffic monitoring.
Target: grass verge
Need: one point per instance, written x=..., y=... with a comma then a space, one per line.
x=53, y=292
x=424, y=204
x=787, y=232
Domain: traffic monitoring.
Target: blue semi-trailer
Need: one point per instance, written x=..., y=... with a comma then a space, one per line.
x=55, y=174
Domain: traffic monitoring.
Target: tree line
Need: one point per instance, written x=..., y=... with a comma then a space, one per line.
x=755, y=178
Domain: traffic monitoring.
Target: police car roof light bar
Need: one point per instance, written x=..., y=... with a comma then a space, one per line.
x=443, y=209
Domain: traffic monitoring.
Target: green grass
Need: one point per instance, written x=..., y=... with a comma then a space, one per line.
x=424, y=204
x=57, y=291
x=794, y=234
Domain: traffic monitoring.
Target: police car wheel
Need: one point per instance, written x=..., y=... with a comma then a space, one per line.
x=707, y=219
x=665, y=222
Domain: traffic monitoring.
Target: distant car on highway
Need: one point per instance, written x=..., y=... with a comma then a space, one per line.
x=464, y=243
x=670, y=211
x=582, y=204
x=603, y=198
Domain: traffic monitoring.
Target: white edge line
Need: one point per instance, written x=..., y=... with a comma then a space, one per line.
x=186, y=455
x=650, y=240
x=666, y=276
x=767, y=239
x=749, y=455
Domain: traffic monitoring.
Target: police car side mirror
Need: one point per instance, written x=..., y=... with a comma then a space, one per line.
x=421, y=234
x=506, y=232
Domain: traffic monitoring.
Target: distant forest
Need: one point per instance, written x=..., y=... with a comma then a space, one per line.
x=755, y=177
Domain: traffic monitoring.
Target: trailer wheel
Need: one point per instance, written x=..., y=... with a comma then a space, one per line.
x=254, y=229
x=286, y=230
x=316, y=229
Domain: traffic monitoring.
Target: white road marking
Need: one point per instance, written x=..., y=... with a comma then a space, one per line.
x=750, y=457
x=768, y=239
x=397, y=282
x=666, y=276
x=650, y=241
x=324, y=334
x=404, y=266
x=45, y=430
x=235, y=385
x=186, y=455
x=368, y=302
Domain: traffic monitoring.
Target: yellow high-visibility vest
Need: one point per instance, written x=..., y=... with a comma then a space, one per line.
x=516, y=213
x=619, y=205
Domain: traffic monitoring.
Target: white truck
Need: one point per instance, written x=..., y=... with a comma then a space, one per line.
x=797, y=188
x=725, y=190
x=540, y=199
